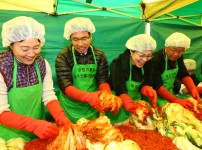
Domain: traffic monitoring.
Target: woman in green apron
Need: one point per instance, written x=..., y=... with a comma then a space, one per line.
x=130, y=75
x=26, y=83
x=82, y=70
x=167, y=65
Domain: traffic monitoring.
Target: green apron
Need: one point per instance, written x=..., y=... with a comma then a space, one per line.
x=200, y=77
x=25, y=101
x=168, y=77
x=83, y=79
x=133, y=92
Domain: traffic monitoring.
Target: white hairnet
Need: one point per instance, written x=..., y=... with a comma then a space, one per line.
x=22, y=28
x=178, y=40
x=141, y=43
x=190, y=64
x=78, y=24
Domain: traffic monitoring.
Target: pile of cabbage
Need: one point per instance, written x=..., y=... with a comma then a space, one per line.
x=95, y=134
x=173, y=121
x=182, y=126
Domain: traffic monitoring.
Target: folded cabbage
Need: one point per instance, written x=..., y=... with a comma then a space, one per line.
x=183, y=143
x=146, y=117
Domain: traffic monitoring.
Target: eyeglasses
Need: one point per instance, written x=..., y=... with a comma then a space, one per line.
x=83, y=40
x=143, y=56
x=178, y=50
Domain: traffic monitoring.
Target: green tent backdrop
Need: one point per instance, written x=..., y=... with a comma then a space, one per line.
x=115, y=22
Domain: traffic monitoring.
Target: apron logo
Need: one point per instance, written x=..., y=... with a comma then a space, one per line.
x=83, y=76
x=83, y=70
x=170, y=76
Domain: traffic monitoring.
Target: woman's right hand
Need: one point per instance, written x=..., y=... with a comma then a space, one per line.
x=186, y=104
x=44, y=129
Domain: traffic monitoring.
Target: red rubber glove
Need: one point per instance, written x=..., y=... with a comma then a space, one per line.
x=188, y=82
x=105, y=87
x=43, y=129
x=184, y=103
x=128, y=103
x=58, y=114
x=164, y=93
x=92, y=98
x=149, y=92
x=199, y=89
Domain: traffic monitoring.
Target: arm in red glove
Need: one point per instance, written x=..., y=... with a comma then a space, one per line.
x=105, y=87
x=41, y=128
x=188, y=82
x=92, y=98
x=199, y=89
x=128, y=103
x=58, y=114
x=149, y=92
x=164, y=93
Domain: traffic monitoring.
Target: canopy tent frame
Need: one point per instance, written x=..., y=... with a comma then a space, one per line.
x=142, y=6
x=78, y=11
x=181, y=18
x=148, y=11
x=100, y=8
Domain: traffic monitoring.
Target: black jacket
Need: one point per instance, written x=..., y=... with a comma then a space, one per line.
x=120, y=72
x=64, y=64
x=159, y=67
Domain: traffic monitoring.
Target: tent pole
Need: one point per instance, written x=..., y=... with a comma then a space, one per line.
x=131, y=6
x=189, y=22
x=114, y=11
x=195, y=15
x=78, y=11
x=180, y=18
x=147, y=28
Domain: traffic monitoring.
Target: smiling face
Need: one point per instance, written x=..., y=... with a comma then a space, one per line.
x=26, y=51
x=140, y=58
x=81, y=41
x=174, y=53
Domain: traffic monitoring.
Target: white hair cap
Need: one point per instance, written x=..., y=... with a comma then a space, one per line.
x=190, y=64
x=21, y=28
x=178, y=40
x=78, y=24
x=141, y=43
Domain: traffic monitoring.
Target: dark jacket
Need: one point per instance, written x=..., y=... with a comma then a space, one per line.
x=120, y=72
x=64, y=64
x=159, y=67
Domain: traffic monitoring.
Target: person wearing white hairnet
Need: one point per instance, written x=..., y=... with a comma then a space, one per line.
x=167, y=65
x=82, y=71
x=190, y=64
x=26, y=84
x=130, y=75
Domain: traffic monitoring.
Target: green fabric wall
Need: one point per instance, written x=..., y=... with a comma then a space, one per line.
x=110, y=36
